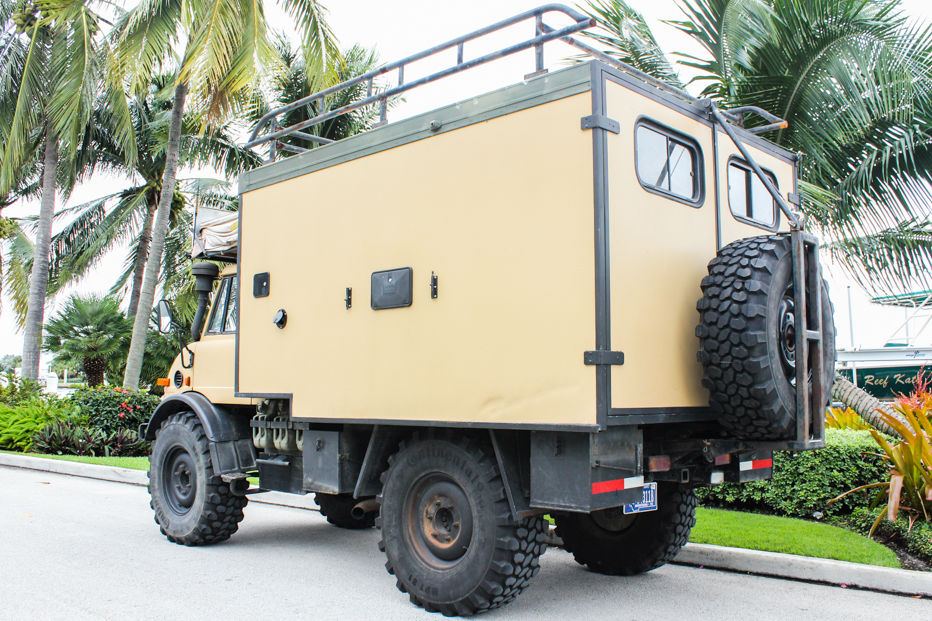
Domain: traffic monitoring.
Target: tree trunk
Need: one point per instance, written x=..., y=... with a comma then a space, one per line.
x=39, y=278
x=137, y=346
x=867, y=406
x=94, y=370
x=145, y=239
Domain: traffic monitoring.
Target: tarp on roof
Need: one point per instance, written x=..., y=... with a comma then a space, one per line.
x=215, y=233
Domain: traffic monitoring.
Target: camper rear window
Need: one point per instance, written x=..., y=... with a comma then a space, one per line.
x=667, y=162
x=748, y=197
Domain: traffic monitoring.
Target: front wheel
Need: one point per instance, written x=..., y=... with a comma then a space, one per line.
x=448, y=532
x=192, y=505
x=610, y=542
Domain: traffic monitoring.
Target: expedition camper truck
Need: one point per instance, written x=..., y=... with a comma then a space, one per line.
x=453, y=325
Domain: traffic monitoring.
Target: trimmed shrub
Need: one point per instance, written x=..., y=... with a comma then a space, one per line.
x=111, y=409
x=916, y=539
x=17, y=390
x=803, y=483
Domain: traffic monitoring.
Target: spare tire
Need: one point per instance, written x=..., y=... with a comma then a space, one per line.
x=747, y=338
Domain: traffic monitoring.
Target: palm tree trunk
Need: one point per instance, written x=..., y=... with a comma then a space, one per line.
x=137, y=346
x=39, y=278
x=94, y=370
x=139, y=269
x=864, y=404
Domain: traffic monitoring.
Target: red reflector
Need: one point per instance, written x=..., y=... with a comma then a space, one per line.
x=757, y=464
x=659, y=463
x=603, y=487
x=721, y=460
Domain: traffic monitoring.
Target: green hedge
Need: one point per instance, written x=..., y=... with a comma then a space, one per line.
x=917, y=539
x=111, y=408
x=804, y=482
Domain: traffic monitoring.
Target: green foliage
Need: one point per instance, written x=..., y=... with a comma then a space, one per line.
x=14, y=390
x=837, y=418
x=110, y=409
x=88, y=331
x=804, y=483
x=21, y=423
x=72, y=437
x=9, y=362
x=916, y=537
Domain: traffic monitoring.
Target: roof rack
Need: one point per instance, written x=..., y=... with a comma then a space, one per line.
x=268, y=129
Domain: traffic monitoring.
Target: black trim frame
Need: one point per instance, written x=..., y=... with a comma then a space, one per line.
x=214, y=306
x=686, y=141
x=738, y=162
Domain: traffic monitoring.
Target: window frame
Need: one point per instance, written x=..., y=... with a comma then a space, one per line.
x=690, y=144
x=224, y=290
x=739, y=162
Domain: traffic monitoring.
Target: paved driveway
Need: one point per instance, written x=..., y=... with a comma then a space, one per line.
x=73, y=548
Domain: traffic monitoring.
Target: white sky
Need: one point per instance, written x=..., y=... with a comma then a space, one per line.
x=397, y=29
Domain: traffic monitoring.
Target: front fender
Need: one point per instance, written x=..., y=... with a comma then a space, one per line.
x=230, y=437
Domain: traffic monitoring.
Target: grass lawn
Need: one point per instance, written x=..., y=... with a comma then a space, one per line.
x=134, y=463
x=790, y=536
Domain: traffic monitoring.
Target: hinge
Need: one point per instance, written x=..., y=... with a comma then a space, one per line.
x=603, y=357
x=602, y=122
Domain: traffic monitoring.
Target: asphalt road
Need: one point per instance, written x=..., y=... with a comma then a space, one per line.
x=73, y=548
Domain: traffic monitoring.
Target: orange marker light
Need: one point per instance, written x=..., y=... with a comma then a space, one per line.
x=162, y=381
x=187, y=381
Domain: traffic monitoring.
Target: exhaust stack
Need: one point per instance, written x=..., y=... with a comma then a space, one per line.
x=204, y=276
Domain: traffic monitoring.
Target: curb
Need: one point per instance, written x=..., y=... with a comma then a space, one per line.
x=135, y=477
x=771, y=564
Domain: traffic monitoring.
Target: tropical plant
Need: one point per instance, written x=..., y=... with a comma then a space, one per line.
x=220, y=50
x=88, y=331
x=854, y=80
x=50, y=73
x=111, y=408
x=16, y=390
x=909, y=455
x=98, y=225
x=844, y=418
x=290, y=82
x=19, y=424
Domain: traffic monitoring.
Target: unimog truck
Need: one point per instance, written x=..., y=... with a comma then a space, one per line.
x=456, y=324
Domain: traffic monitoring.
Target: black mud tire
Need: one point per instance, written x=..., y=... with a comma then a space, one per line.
x=192, y=505
x=487, y=560
x=338, y=509
x=609, y=542
x=746, y=368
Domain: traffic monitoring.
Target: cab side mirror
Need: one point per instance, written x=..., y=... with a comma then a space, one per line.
x=164, y=314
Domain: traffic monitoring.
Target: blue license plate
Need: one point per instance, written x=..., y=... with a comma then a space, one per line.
x=648, y=501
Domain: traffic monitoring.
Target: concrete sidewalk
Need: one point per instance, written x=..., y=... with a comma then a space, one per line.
x=803, y=568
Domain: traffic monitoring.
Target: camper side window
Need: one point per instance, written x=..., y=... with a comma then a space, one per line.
x=748, y=197
x=667, y=162
x=223, y=314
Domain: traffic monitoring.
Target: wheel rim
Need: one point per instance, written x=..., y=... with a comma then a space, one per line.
x=439, y=523
x=786, y=335
x=179, y=480
x=613, y=520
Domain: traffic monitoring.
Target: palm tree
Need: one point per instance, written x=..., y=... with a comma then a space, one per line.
x=224, y=48
x=854, y=80
x=102, y=223
x=290, y=82
x=88, y=331
x=49, y=75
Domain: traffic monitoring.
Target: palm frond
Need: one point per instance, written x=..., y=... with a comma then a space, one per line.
x=624, y=34
x=319, y=45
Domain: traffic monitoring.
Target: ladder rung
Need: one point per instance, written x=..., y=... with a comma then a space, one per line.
x=813, y=335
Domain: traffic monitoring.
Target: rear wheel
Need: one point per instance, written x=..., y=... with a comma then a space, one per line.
x=192, y=505
x=338, y=509
x=448, y=532
x=610, y=542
